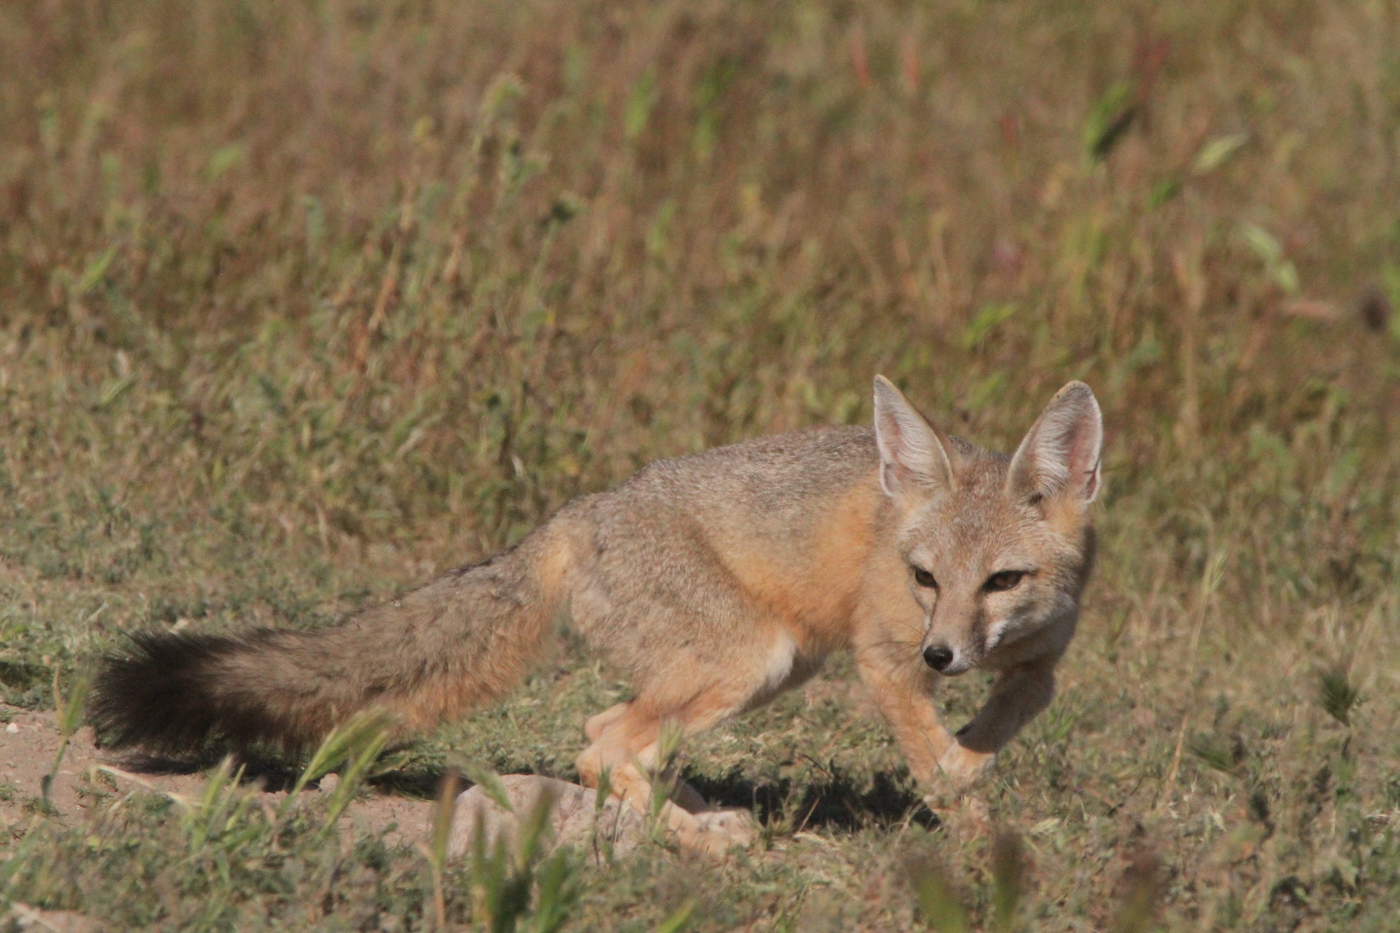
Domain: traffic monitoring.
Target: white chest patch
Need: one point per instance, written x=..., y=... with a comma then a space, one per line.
x=780, y=658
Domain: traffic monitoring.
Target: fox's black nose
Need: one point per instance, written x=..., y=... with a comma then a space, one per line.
x=938, y=657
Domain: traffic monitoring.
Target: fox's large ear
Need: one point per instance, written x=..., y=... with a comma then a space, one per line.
x=911, y=455
x=1060, y=453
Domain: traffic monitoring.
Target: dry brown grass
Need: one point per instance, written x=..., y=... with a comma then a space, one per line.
x=300, y=301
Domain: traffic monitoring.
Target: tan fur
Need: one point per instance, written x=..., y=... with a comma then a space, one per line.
x=721, y=579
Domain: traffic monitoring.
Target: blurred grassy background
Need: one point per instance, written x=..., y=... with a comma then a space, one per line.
x=301, y=302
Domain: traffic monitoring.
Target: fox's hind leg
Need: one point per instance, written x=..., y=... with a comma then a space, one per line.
x=626, y=743
x=699, y=653
x=626, y=747
x=595, y=726
x=688, y=797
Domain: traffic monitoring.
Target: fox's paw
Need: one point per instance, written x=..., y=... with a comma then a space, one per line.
x=964, y=767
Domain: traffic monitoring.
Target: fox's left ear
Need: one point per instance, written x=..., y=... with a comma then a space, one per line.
x=1061, y=452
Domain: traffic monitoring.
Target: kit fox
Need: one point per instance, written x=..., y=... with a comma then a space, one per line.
x=717, y=581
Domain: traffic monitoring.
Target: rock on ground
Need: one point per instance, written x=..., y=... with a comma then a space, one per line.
x=576, y=819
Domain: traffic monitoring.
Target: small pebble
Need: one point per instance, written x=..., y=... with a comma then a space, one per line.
x=12, y=727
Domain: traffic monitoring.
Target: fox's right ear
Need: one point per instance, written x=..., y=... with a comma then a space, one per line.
x=912, y=457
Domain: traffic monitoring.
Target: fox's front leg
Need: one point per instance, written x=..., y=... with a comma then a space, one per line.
x=904, y=694
x=1019, y=694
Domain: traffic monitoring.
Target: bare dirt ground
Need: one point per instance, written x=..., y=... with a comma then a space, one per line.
x=29, y=742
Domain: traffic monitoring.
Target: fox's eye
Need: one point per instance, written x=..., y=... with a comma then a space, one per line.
x=924, y=578
x=1004, y=580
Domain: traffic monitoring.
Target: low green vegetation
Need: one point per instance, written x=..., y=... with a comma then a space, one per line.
x=301, y=303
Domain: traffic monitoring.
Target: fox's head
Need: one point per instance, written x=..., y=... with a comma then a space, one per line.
x=995, y=548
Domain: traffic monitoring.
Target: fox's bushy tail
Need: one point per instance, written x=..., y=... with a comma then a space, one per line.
x=464, y=639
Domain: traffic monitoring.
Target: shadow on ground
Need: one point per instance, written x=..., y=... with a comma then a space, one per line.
x=839, y=802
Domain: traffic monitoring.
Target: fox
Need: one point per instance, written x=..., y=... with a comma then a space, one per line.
x=715, y=581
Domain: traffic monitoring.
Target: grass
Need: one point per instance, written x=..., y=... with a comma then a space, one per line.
x=301, y=303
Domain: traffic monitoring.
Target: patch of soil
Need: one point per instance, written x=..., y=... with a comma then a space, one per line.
x=29, y=743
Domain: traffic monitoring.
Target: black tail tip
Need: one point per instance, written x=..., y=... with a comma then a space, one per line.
x=159, y=693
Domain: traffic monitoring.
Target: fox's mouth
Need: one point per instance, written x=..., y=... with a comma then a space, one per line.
x=958, y=668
